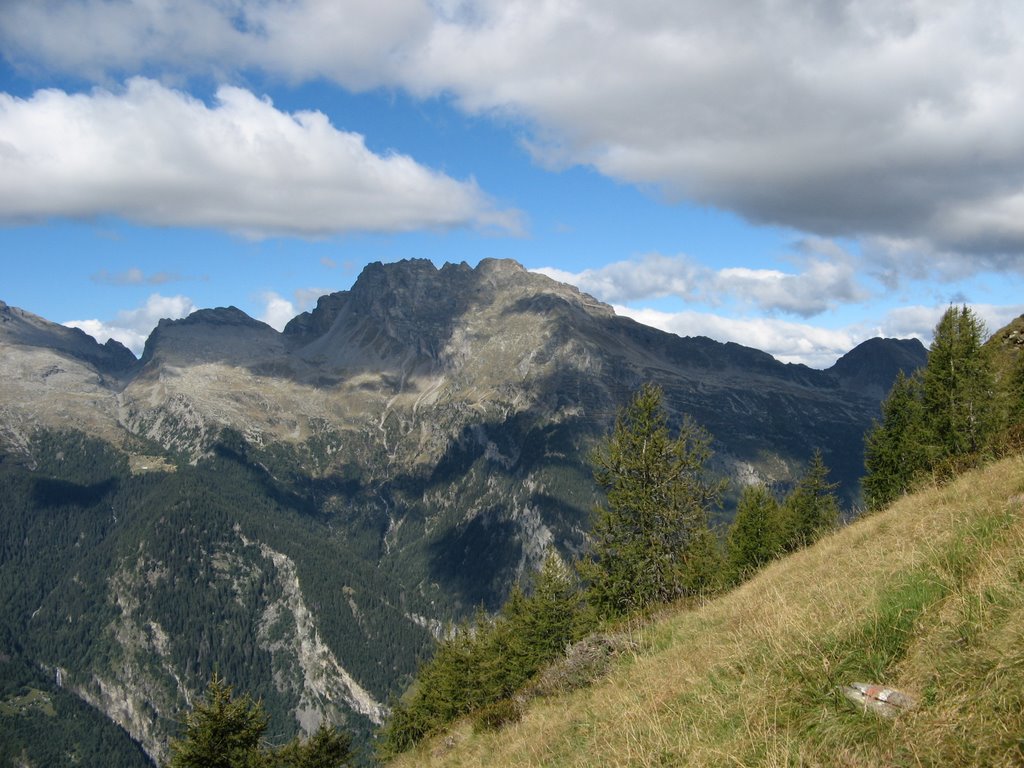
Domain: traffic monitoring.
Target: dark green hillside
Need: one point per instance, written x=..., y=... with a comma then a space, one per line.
x=170, y=576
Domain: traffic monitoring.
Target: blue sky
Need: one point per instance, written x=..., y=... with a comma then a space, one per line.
x=795, y=177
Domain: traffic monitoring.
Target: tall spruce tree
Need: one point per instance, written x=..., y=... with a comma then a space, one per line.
x=755, y=535
x=811, y=508
x=658, y=497
x=958, y=390
x=942, y=418
x=221, y=731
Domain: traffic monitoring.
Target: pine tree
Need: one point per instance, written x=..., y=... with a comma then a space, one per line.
x=895, y=452
x=811, y=509
x=657, y=504
x=755, y=536
x=489, y=661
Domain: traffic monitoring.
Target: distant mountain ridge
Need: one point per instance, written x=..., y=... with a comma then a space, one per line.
x=394, y=458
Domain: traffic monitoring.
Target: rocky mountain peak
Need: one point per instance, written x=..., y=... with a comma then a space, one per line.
x=223, y=334
x=25, y=329
x=412, y=301
x=872, y=366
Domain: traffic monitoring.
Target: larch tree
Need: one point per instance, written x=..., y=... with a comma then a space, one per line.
x=649, y=541
x=223, y=731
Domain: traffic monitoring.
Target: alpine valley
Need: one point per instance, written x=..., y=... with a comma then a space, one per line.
x=304, y=511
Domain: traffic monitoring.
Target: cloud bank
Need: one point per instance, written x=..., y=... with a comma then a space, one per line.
x=866, y=118
x=156, y=156
x=823, y=284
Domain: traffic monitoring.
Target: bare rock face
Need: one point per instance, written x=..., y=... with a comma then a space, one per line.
x=20, y=328
x=58, y=377
x=414, y=360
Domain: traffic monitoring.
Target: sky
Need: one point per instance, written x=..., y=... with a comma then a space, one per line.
x=791, y=175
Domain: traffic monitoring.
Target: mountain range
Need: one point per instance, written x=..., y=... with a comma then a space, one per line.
x=304, y=510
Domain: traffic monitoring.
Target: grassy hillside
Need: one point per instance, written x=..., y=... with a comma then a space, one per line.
x=927, y=597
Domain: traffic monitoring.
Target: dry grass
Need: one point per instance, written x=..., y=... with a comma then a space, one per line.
x=927, y=596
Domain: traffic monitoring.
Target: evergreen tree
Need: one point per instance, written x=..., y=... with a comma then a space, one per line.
x=221, y=731
x=703, y=563
x=657, y=503
x=958, y=389
x=552, y=616
x=811, y=509
x=755, y=536
x=895, y=452
x=327, y=748
x=227, y=732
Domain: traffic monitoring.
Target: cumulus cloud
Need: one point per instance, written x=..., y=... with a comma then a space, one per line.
x=861, y=118
x=277, y=310
x=918, y=321
x=840, y=119
x=157, y=156
x=359, y=43
x=828, y=278
x=132, y=326
x=651, y=276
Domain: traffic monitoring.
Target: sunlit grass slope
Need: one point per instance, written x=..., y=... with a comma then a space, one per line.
x=927, y=597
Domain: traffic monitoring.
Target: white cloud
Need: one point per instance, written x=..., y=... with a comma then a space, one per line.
x=855, y=118
x=132, y=326
x=808, y=344
x=156, y=156
x=277, y=311
x=861, y=118
x=826, y=281
x=919, y=321
x=786, y=341
x=359, y=43
x=652, y=275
